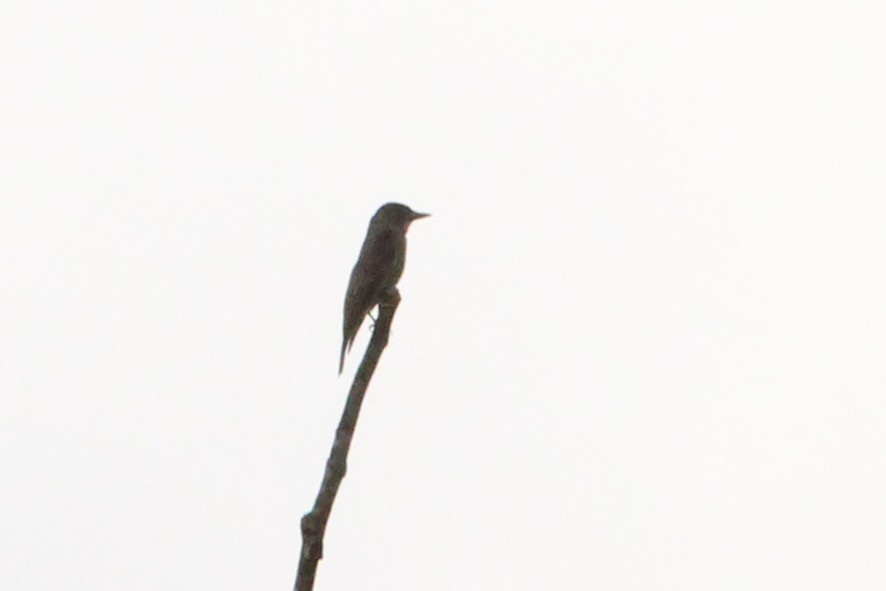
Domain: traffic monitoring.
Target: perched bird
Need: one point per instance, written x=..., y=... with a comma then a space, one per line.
x=378, y=269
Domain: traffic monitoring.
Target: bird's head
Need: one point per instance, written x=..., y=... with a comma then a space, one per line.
x=396, y=215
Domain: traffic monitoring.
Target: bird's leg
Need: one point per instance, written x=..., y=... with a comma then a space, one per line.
x=387, y=299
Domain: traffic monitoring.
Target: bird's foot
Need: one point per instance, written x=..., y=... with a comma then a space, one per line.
x=390, y=298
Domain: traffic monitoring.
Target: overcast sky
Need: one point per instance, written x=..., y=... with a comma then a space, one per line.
x=642, y=342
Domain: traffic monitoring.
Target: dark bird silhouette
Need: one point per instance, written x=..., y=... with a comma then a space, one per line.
x=378, y=269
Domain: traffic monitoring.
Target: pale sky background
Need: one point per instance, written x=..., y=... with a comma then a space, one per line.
x=642, y=343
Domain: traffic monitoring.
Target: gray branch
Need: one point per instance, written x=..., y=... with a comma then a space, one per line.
x=313, y=524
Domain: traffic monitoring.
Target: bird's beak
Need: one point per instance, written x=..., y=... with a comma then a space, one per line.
x=417, y=216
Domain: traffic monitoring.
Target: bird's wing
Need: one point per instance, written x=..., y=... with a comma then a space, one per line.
x=368, y=279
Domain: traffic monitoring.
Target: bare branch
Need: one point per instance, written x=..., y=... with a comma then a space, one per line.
x=313, y=523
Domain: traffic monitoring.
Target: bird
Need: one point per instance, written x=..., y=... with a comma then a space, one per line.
x=378, y=268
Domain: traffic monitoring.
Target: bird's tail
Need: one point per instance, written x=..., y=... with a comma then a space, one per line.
x=341, y=361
